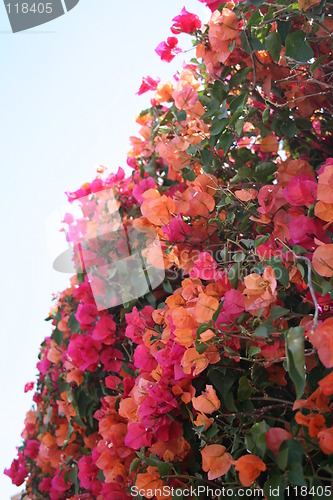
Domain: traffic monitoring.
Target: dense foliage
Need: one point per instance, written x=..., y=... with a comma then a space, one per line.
x=221, y=374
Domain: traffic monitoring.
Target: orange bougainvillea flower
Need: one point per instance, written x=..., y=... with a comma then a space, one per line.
x=324, y=211
x=158, y=209
x=322, y=339
x=246, y=194
x=326, y=440
x=199, y=362
x=325, y=184
x=205, y=307
x=306, y=4
x=269, y=144
x=316, y=424
x=322, y=260
x=149, y=482
x=201, y=203
x=203, y=419
x=260, y=291
x=207, y=402
x=317, y=401
x=215, y=460
x=249, y=468
x=326, y=384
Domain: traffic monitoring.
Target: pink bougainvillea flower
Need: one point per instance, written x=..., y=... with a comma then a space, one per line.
x=58, y=482
x=303, y=230
x=275, y=436
x=104, y=330
x=148, y=83
x=18, y=470
x=137, y=436
x=137, y=323
x=168, y=50
x=205, y=267
x=185, y=22
x=29, y=386
x=87, y=472
x=270, y=199
x=301, y=190
x=177, y=230
x=233, y=307
x=143, y=359
x=212, y=4
x=111, y=358
x=86, y=315
x=45, y=484
x=84, y=351
x=143, y=186
x=32, y=448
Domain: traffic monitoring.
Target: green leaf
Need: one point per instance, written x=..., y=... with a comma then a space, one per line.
x=295, y=474
x=266, y=115
x=238, y=102
x=243, y=173
x=188, y=174
x=296, y=358
x=135, y=464
x=73, y=477
x=225, y=141
x=297, y=47
x=290, y=452
x=283, y=29
x=73, y=324
x=164, y=468
x=278, y=312
x=216, y=313
x=239, y=257
x=201, y=347
x=181, y=116
x=264, y=170
x=254, y=19
x=253, y=351
x=261, y=331
x=316, y=63
x=202, y=328
x=262, y=239
x=289, y=128
x=206, y=157
x=220, y=90
x=280, y=271
x=233, y=275
x=245, y=389
x=218, y=126
x=223, y=383
x=255, y=439
x=274, y=44
x=57, y=336
x=70, y=431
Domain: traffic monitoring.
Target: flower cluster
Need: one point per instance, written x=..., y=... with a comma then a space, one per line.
x=219, y=371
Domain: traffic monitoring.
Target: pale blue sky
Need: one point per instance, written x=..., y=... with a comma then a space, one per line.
x=67, y=104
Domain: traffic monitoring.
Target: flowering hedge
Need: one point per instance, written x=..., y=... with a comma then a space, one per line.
x=221, y=374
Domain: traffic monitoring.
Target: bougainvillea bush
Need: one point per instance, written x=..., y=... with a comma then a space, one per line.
x=220, y=375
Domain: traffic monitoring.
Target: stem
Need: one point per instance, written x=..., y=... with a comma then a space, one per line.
x=313, y=295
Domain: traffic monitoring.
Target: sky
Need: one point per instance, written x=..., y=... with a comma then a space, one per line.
x=68, y=104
